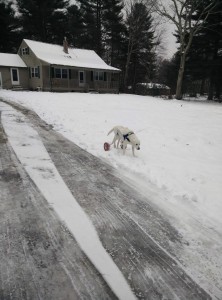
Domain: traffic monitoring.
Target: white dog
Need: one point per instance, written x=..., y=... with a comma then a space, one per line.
x=125, y=136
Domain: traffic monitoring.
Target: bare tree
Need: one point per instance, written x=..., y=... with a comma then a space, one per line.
x=183, y=14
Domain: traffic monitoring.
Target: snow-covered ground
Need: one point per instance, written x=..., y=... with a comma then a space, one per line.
x=179, y=166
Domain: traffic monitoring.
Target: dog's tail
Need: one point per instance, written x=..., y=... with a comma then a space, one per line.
x=110, y=131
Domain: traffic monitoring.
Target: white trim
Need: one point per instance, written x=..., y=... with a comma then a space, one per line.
x=1, y=85
x=35, y=72
x=25, y=51
x=15, y=82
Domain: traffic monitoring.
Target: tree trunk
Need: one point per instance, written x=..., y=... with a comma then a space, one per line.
x=218, y=89
x=180, y=77
x=127, y=66
x=211, y=91
x=202, y=86
x=98, y=29
x=126, y=74
x=211, y=87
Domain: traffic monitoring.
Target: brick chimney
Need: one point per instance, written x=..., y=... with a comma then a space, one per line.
x=65, y=46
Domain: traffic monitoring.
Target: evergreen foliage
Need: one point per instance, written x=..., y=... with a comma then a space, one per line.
x=114, y=33
x=140, y=64
x=167, y=72
x=75, y=27
x=43, y=20
x=205, y=58
x=8, y=40
x=92, y=12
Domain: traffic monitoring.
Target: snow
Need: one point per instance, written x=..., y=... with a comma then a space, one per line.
x=179, y=166
x=11, y=60
x=32, y=154
x=54, y=55
x=151, y=85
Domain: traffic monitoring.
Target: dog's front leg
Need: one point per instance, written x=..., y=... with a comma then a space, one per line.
x=118, y=143
x=133, y=150
x=114, y=143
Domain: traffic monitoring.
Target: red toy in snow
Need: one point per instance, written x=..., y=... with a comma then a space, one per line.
x=106, y=146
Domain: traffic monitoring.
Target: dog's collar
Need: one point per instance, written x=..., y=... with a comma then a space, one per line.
x=126, y=136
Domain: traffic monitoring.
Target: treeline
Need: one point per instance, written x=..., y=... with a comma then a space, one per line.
x=124, y=37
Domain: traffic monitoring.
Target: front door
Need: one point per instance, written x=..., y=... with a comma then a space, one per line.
x=15, y=76
x=81, y=78
x=0, y=80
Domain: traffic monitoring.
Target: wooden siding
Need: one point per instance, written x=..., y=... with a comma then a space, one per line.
x=7, y=81
x=31, y=61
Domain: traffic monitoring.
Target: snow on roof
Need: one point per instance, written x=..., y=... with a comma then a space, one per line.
x=54, y=55
x=11, y=60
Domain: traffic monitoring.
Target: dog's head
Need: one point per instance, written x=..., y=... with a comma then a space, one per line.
x=138, y=146
x=134, y=141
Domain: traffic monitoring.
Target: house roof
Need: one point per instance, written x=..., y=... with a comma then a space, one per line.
x=54, y=55
x=11, y=60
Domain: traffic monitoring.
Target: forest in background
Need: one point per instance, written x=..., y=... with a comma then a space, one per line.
x=126, y=35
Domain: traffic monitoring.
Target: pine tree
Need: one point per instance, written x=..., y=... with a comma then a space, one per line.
x=43, y=20
x=8, y=40
x=75, y=31
x=92, y=12
x=140, y=64
x=114, y=32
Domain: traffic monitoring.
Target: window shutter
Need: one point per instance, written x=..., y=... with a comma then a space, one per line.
x=70, y=73
x=28, y=50
x=38, y=72
x=105, y=78
x=30, y=72
x=91, y=75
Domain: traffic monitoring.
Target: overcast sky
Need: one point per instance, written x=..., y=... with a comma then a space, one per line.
x=170, y=40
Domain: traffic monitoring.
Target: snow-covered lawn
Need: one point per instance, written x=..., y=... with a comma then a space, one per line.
x=179, y=166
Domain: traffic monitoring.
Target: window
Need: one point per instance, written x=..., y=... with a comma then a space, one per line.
x=61, y=73
x=35, y=72
x=25, y=51
x=81, y=76
x=64, y=73
x=99, y=75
